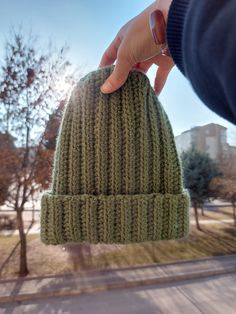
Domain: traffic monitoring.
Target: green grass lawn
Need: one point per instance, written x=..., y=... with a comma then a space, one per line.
x=43, y=259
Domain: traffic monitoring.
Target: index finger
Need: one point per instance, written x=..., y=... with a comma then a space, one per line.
x=110, y=54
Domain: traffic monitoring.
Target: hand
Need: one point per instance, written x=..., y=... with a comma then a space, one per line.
x=134, y=47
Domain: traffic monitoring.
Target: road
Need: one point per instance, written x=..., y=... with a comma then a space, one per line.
x=208, y=296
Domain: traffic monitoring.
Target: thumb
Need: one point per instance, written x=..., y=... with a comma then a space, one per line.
x=118, y=76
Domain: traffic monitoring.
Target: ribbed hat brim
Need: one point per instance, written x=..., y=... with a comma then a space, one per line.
x=114, y=218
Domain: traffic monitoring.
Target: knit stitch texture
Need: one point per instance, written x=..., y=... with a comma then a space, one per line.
x=117, y=177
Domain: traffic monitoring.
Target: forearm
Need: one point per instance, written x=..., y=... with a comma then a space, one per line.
x=201, y=37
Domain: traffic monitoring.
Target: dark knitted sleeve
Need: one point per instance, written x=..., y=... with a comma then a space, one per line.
x=201, y=35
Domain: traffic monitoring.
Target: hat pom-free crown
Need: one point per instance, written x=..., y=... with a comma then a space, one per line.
x=117, y=176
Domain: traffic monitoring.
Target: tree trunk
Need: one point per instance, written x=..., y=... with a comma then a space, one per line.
x=33, y=213
x=23, y=258
x=234, y=214
x=196, y=217
x=202, y=209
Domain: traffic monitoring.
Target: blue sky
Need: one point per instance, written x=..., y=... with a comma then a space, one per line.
x=88, y=27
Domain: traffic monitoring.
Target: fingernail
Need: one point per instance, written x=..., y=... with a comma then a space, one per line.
x=106, y=87
x=157, y=92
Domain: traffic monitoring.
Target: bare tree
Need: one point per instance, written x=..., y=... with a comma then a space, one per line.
x=225, y=188
x=31, y=87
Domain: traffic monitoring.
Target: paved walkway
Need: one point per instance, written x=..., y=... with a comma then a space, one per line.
x=86, y=282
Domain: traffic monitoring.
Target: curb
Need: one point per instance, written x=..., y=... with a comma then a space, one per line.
x=106, y=286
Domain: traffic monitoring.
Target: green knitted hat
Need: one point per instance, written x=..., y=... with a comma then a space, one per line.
x=117, y=176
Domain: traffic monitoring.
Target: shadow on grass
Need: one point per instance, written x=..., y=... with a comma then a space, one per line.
x=79, y=254
x=219, y=239
x=218, y=210
x=226, y=213
x=231, y=231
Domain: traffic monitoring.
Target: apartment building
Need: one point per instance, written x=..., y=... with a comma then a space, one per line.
x=211, y=139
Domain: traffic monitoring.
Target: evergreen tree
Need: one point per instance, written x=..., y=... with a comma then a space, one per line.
x=198, y=170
